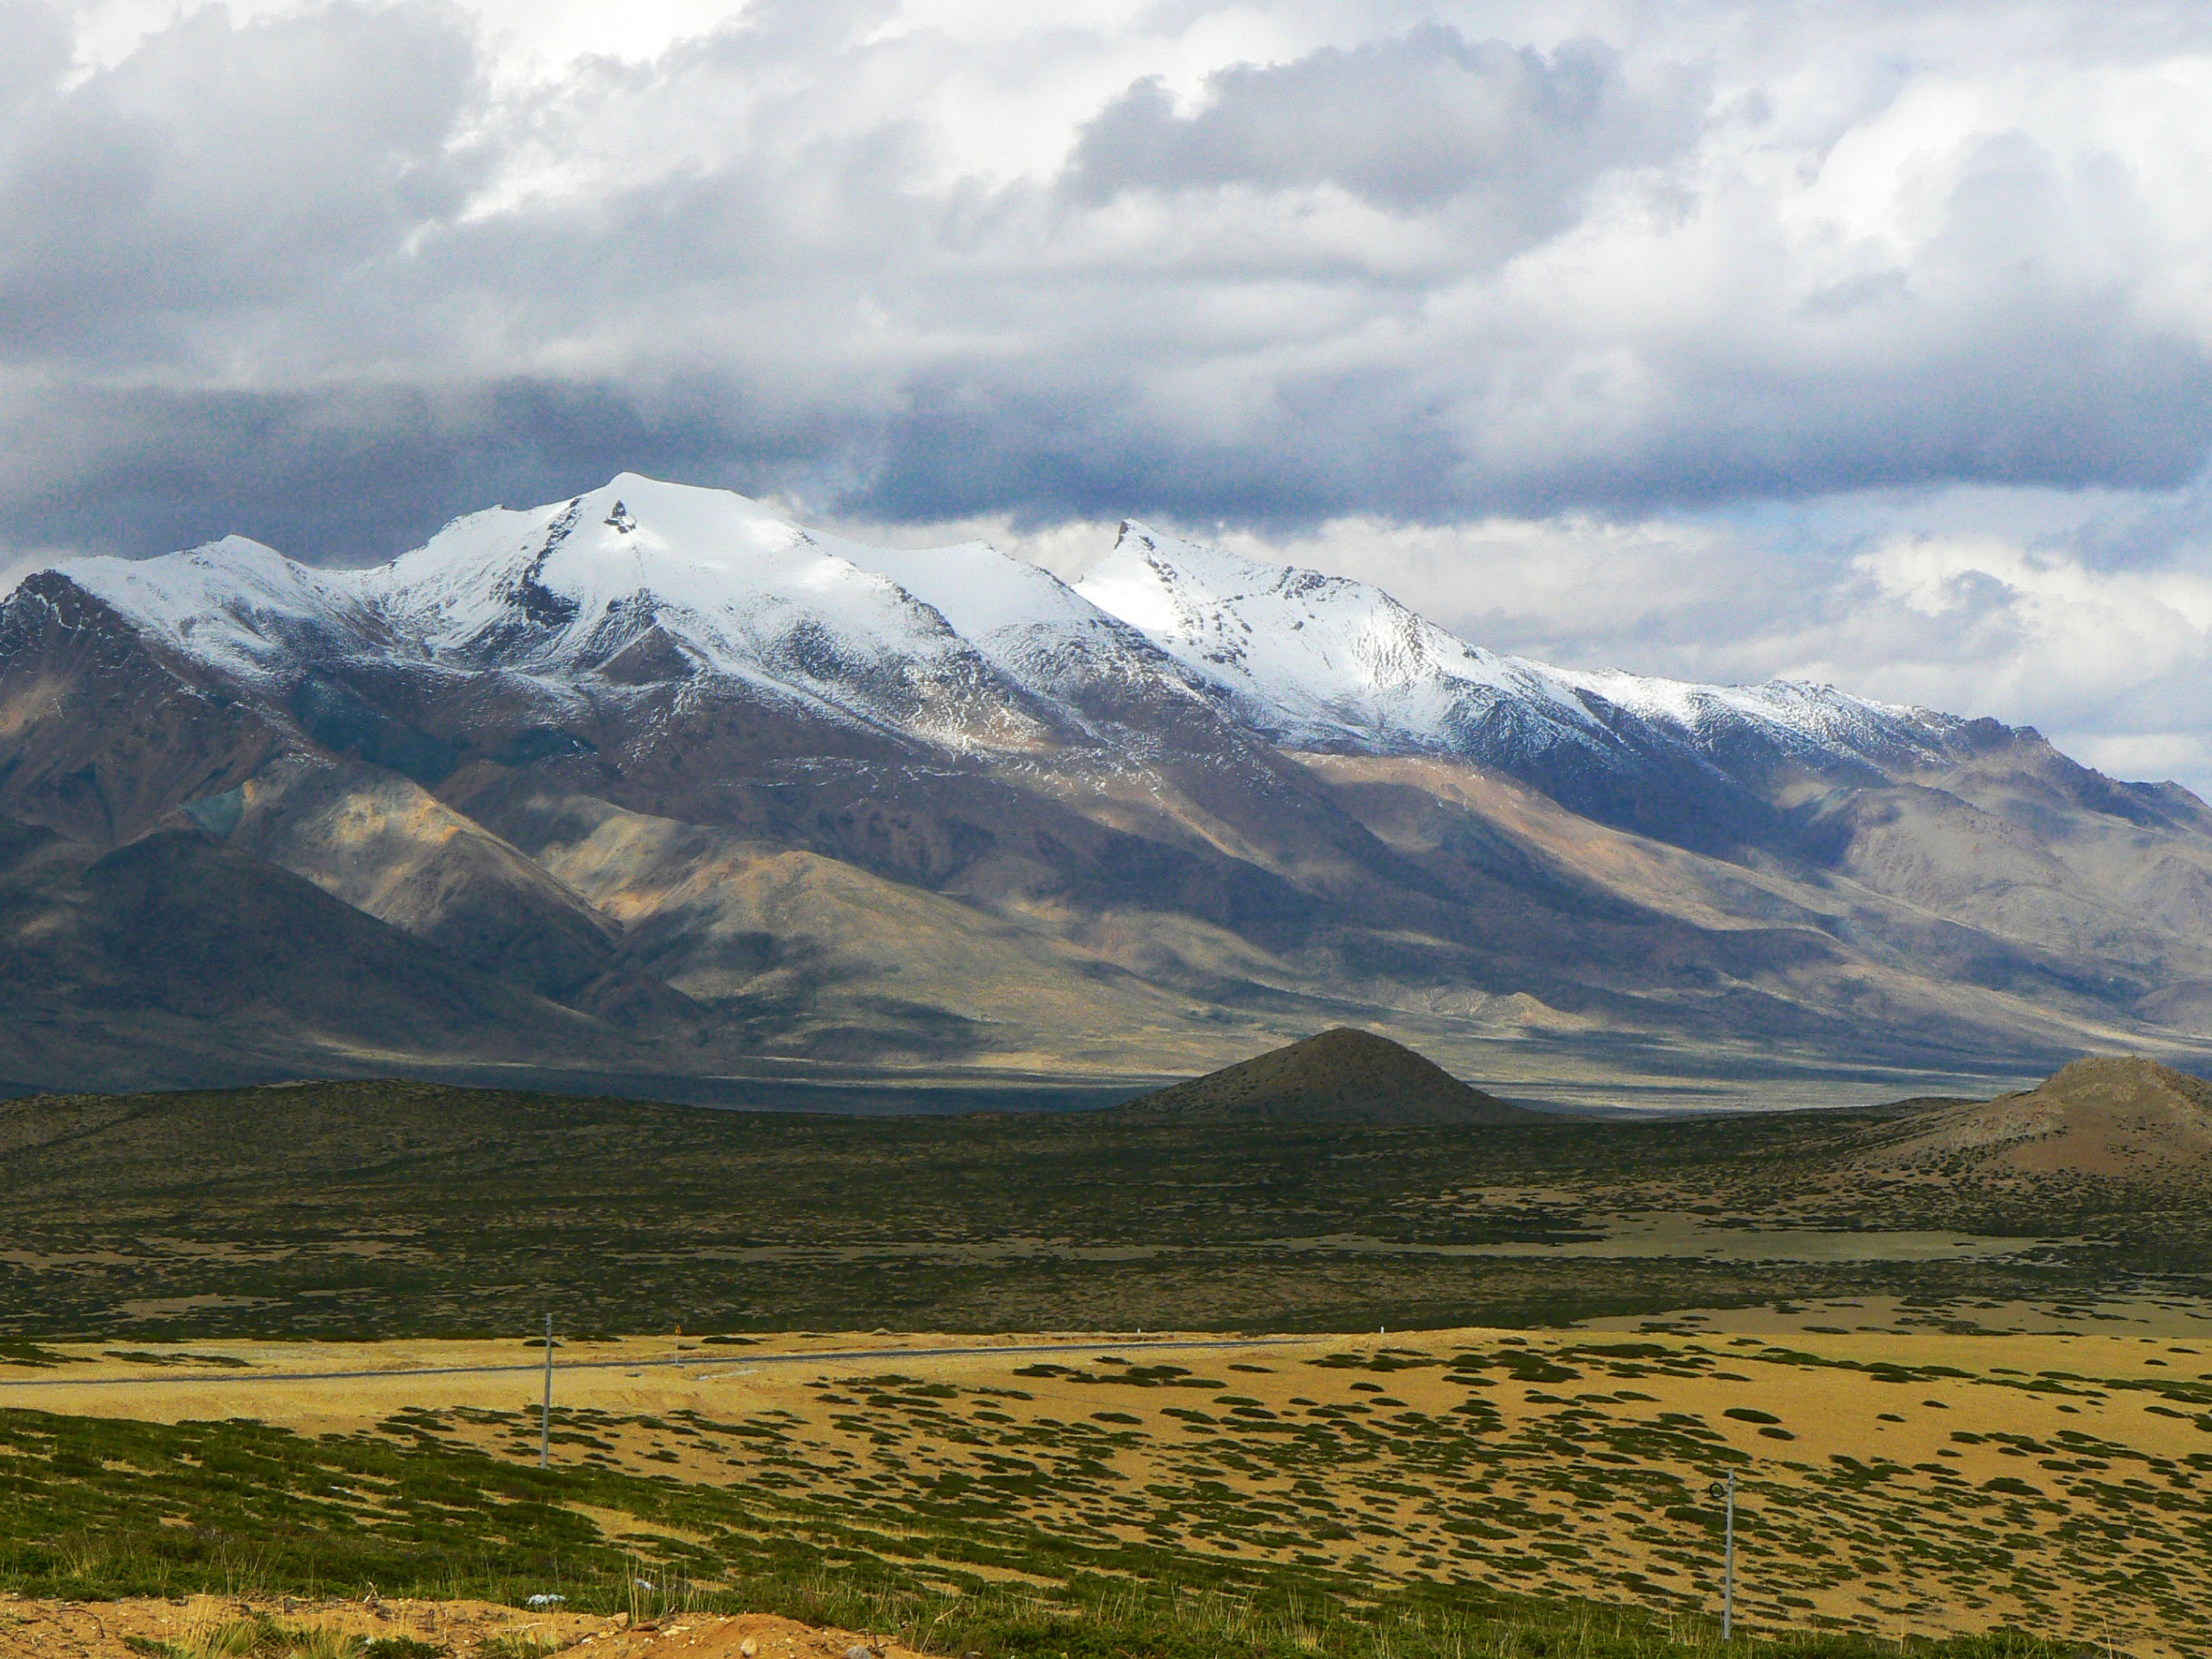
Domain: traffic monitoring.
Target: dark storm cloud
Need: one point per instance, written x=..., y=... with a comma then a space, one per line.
x=327, y=279
x=358, y=474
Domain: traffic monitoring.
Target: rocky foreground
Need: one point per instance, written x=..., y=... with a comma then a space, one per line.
x=139, y=1627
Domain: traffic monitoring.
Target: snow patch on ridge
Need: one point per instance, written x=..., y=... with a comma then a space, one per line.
x=1320, y=660
x=1040, y=632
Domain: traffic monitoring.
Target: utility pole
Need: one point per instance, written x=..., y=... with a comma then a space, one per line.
x=1726, y=1492
x=546, y=1417
x=1728, y=1571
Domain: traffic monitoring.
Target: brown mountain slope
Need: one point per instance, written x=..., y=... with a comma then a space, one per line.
x=2124, y=1116
x=386, y=845
x=102, y=733
x=176, y=958
x=1340, y=1075
x=1088, y=868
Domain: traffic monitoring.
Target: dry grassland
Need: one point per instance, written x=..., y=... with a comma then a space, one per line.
x=1891, y=1483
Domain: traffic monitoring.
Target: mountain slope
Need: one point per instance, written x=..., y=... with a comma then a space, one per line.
x=389, y=848
x=175, y=959
x=720, y=788
x=105, y=726
x=2121, y=1116
x=1325, y=663
x=1985, y=827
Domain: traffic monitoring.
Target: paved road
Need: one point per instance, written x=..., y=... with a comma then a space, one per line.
x=734, y=1356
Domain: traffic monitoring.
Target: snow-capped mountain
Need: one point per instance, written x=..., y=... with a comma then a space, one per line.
x=1324, y=662
x=639, y=581
x=643, y=582
x=1040, y=634
x=240, y=608
x=689, y=780
x=966, y=648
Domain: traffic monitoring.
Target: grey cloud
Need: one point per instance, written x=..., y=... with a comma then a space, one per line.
x=2144, y=531
x=1070, y=448
x=35, y=50
x=1868, y=288
x=239, y=291
x=356, y=473
x=1410, y=124
x=1504, y=417
x=220, y=168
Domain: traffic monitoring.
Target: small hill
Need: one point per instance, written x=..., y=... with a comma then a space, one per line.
x=2124, y=1116
x=1341, y=1076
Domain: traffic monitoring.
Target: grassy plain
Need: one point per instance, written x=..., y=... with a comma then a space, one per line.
x=1954, y=1404
x=1890, y=1486
x=388, y=1210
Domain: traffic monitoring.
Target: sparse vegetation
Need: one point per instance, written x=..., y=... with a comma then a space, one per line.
x=1502, y=1475
x=1388, y=1499
x=243, y=1510
x=395, y=1209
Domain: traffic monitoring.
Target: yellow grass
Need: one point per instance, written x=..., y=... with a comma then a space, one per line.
x=2108, y=1531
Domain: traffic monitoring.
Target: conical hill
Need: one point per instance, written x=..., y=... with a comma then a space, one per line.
x=1340, y=1075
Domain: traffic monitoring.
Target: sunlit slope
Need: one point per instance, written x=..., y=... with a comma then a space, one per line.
x=936, y=808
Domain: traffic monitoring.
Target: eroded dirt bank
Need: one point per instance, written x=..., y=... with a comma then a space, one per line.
x=132, y=1629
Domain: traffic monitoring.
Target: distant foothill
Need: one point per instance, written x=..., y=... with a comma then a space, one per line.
x=1339, y=1076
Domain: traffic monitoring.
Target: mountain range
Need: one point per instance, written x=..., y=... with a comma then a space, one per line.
x=652, y=784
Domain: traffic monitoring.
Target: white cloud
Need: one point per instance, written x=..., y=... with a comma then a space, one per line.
x=2042, y=636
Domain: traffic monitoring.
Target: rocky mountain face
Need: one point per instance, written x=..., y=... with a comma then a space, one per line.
x=653, y=783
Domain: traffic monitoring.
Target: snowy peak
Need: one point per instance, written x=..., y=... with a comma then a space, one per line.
x=236, y=605
x=641, y=583
x=1093, y=668
x=1317, y=660
x=687, y=582
x=1328, y=661
x=960, y=645
x=729, y=576
x=1807, y=721
x=1215, y=603
x=979, y=590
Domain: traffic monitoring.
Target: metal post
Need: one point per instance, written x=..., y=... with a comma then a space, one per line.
x=1726, y=1494
x=1727, y=1579
x=546, y=1417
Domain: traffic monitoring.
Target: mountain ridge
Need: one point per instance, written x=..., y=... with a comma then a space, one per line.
x=1178, y=806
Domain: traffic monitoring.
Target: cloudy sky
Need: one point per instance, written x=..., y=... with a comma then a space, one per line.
x=1869, y=342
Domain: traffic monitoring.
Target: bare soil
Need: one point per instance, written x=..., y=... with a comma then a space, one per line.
x=36, y=1629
